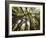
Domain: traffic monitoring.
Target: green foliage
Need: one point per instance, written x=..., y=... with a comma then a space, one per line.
x=33, y=15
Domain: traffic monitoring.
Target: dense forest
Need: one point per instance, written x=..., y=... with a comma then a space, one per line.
x=25, y=18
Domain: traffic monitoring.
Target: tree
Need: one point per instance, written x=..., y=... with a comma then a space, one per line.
x=30, y=16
